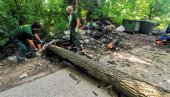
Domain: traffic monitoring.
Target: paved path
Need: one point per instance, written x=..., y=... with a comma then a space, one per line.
x=63, y=83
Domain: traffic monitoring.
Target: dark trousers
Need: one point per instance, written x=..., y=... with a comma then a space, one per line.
x=73, y=37
x=22, y=49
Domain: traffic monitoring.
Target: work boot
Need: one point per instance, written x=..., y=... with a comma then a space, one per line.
x=74, y=49
x=21, y=60
x=21, y=56
x=30, y=54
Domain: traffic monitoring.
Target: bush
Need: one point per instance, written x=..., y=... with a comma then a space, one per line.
x=7, y=24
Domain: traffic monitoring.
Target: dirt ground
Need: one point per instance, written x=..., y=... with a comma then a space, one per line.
x=11, y=73
x=139, y=56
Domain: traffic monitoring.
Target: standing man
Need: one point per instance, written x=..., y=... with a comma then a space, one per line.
x=74, y=23
x=23, y=39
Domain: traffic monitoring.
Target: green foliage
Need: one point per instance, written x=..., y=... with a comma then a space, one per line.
x=157, y=10
x=7, y=24
x=52, y=14
x=55, y=18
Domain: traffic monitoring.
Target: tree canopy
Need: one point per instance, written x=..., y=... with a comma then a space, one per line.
x=52, y=14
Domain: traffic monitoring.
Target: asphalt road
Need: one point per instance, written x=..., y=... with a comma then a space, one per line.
x=64, y=83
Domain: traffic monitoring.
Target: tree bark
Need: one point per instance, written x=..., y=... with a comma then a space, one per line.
x=124, y=83
x=71, y=2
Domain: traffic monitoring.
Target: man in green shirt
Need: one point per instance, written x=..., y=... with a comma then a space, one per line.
x=74, y=23
x=23, y=36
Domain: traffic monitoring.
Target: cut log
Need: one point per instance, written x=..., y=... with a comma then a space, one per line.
x=124, y=83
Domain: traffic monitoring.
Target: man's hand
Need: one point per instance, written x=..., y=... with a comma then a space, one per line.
x=42, y=42
x=168, y=34
x=31, y=43
x=77, y=29
x=67, y=26
x=35, y=50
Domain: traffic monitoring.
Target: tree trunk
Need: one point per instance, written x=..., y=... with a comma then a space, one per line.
x=124, y=83
x=70, y=2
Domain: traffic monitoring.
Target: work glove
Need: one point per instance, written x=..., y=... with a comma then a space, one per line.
x=168, y=34
x=41, y=42
x=77, y=29
x=35, y=49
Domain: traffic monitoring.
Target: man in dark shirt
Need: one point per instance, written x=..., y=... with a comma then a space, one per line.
x=74, y=23
x=22, y=36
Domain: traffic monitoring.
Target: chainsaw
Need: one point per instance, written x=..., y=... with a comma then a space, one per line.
x=44, y=47
x=32, y=53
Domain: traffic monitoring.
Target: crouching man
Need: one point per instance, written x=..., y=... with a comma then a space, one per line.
x=23, y=37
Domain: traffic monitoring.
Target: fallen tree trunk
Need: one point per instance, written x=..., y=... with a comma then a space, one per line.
x=124, y=83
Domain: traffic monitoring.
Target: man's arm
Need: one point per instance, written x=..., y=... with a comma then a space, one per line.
x=31, y=43
x=37, y=36
x=77, y=24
